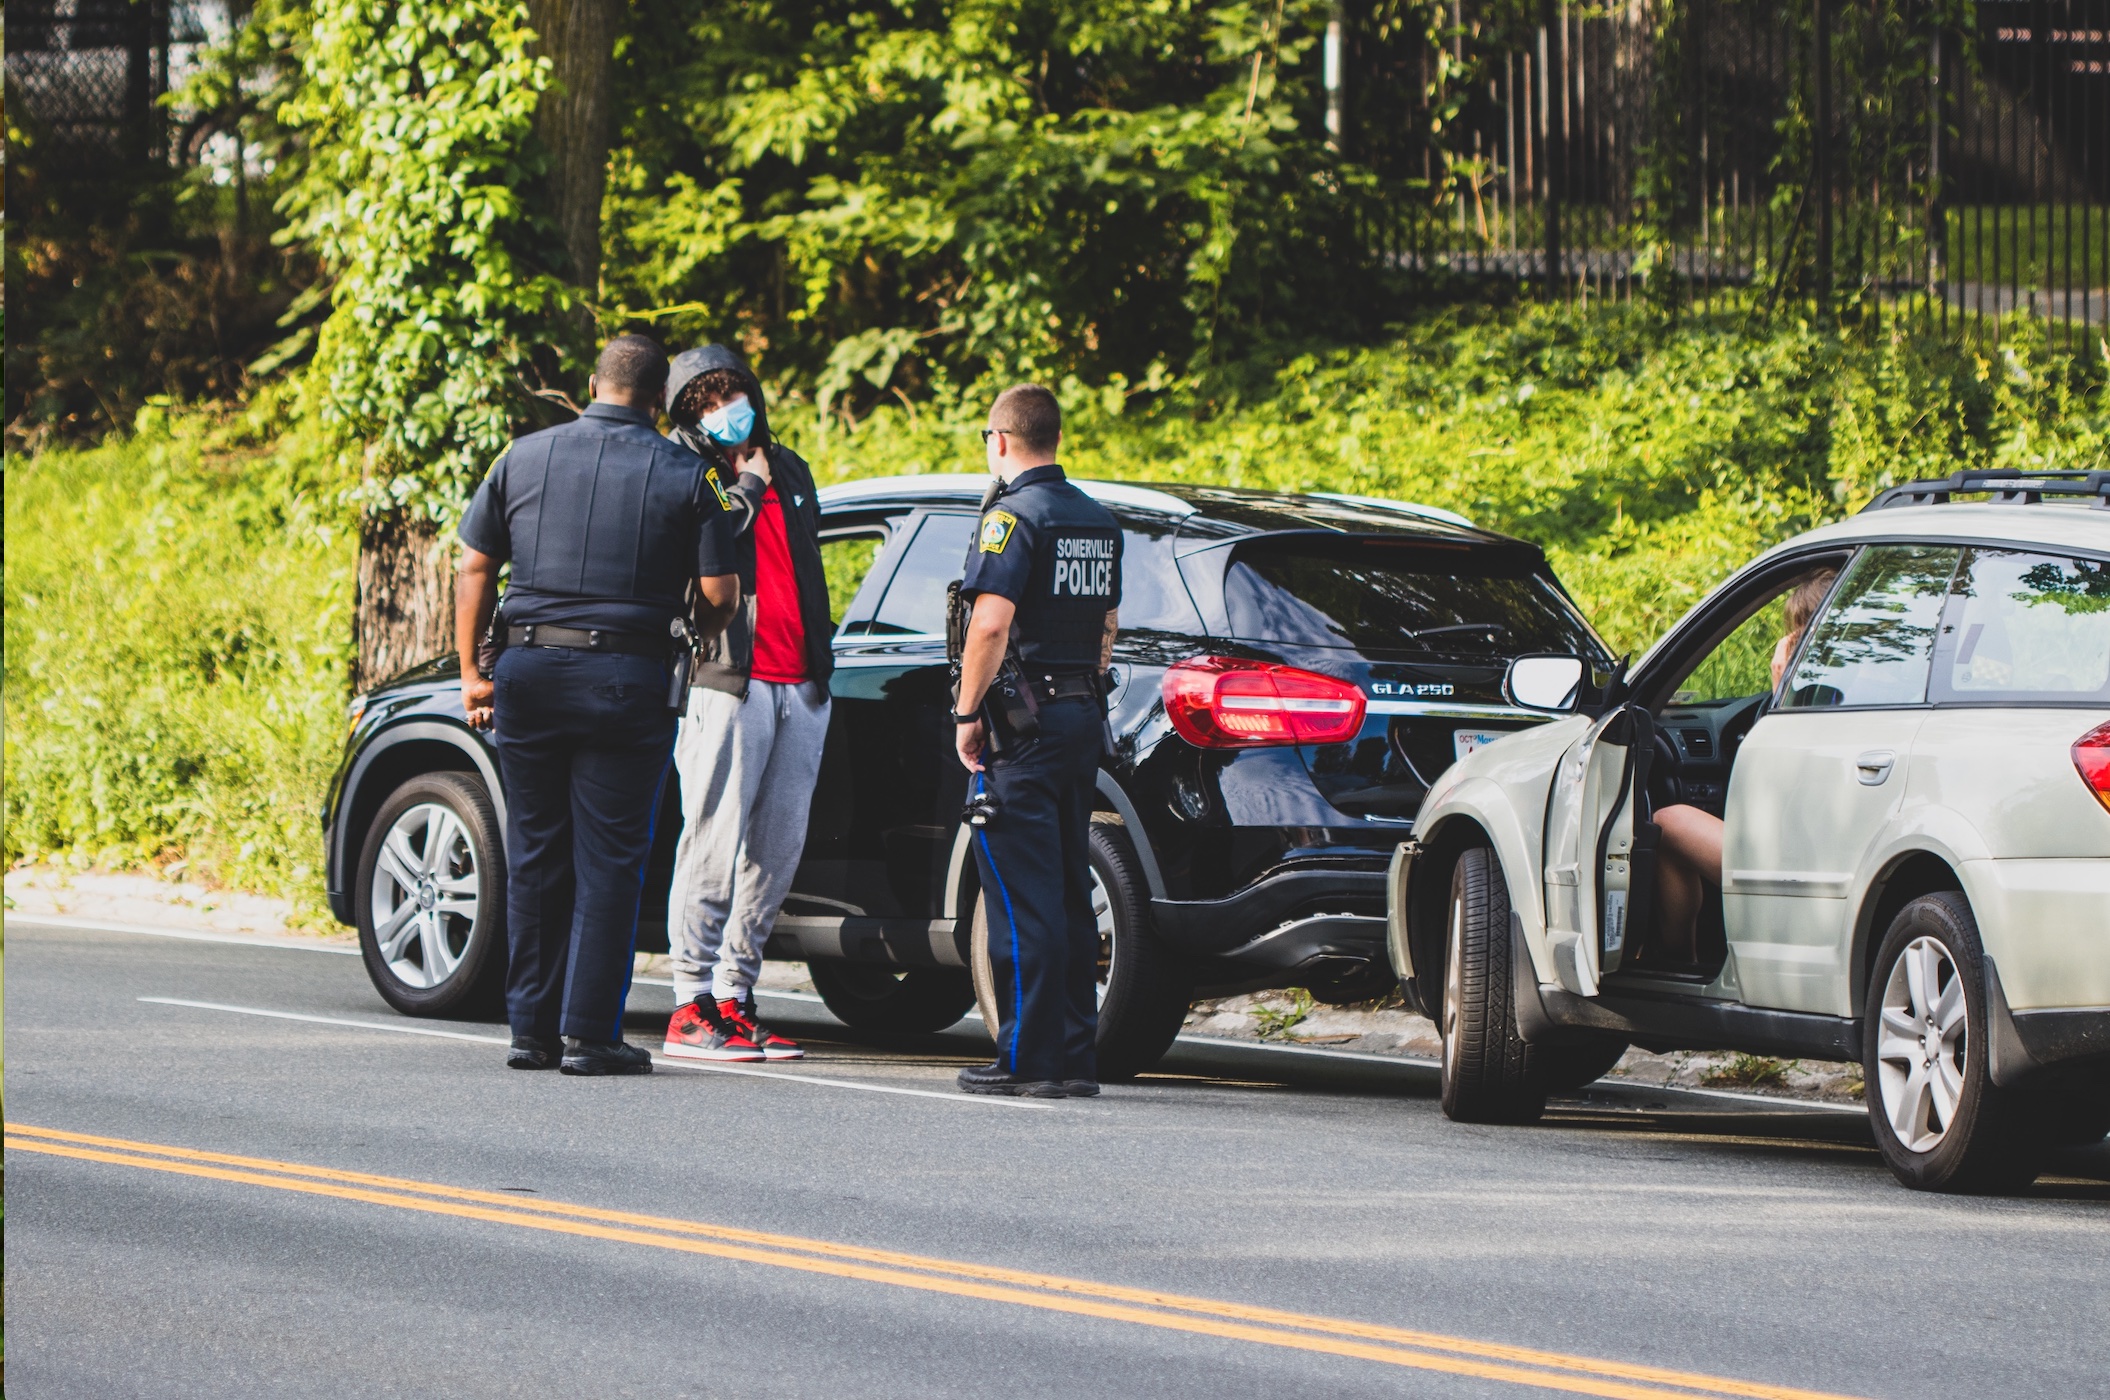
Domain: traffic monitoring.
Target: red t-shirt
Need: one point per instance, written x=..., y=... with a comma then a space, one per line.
x=780, y=633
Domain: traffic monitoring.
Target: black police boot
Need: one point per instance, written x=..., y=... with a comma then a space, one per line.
x=604, y=1057
x=995, y=1079
x=1081, y=1088
x=534, y=1052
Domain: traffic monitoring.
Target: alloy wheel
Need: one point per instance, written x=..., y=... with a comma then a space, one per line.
x=1109, y=946
x=1453, y=986
x=1921, y=1045
x=425, y=896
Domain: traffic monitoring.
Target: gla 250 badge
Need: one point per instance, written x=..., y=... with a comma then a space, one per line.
x=1408, y=688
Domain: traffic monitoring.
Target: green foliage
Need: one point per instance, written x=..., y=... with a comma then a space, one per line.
x=880, y=200
x=1648, y=458
x=418, y=119
x=177, y=614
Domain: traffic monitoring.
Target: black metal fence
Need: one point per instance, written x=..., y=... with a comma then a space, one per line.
x=1849, y=158
x=89, y=75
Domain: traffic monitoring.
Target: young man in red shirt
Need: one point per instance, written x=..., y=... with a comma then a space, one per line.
x=749, y=747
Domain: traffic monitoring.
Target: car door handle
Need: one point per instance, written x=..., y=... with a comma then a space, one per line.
x=1874, y=766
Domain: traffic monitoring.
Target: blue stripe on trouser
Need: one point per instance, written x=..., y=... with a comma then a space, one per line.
x=1018, y=982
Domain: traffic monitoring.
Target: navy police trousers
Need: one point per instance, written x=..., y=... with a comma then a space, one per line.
x=584, y=740
x=1036, y=886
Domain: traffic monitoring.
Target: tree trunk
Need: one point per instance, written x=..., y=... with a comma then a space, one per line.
x=406, y=597
x=574, y=119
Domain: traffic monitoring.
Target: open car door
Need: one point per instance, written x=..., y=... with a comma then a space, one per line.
x=1600, y=879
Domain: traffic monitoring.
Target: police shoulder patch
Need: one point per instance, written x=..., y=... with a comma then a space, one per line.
x=996, y=530
x=710, y=474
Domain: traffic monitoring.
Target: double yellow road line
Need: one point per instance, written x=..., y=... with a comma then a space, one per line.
x=1208, y=1317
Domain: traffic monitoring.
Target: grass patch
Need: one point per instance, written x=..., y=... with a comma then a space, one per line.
x=178, y=627
x=1748, y=1072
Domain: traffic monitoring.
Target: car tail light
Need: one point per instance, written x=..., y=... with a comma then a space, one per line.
x=2091, y=754
x=1223, y=702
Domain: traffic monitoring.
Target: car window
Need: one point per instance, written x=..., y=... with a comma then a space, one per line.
x=1382, y=597
x=2026, y=627
x=915, y=598
x=1153, y=598
x=1874, y=642
x=1741, y=664
x=846, y=560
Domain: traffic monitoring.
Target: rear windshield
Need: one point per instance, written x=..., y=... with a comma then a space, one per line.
x=1379, y=596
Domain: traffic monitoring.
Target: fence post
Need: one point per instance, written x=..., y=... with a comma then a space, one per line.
x=1552, y=156
x=1821, y=153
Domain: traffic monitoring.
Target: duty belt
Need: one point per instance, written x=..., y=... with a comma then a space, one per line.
x=1078, y=685
x=585, y=639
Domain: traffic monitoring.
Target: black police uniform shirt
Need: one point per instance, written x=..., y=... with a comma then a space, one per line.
x=604, y=521
x=1056, y=553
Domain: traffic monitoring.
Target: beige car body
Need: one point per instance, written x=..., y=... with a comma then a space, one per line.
x=1990, y=792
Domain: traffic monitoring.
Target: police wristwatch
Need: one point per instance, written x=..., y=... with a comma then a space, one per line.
x=958, y=718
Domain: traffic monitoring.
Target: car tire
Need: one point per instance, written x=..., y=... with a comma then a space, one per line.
x=1566, y=1068
x=1489, y=1074
x=429, y=898
x=883, y=1000
x=1939, y=1120
x=1145, y=987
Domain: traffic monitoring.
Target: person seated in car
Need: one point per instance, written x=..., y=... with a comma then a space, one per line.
x=1689, y=852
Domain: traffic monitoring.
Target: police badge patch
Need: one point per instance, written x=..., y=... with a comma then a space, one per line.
x=710, y=474
x=996, y=530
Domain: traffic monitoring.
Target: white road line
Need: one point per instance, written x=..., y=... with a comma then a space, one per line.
x=330, y=1020
x=190, y=935
x=973, y=1100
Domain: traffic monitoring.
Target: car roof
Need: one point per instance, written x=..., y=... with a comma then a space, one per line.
x=1202, y=515
x=2041, y=525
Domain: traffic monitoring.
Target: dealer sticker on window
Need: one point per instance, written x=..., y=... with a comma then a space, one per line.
x=1464, y=741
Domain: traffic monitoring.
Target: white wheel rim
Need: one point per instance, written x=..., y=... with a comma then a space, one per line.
x=1452, y=990
x=425, y=896
x=1109, y=945
x=1921, y=1045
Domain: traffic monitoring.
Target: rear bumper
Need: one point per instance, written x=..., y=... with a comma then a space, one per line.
x=2025, y=1043
x=1321, y=927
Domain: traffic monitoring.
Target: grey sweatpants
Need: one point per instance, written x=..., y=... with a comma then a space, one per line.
x=747, y=773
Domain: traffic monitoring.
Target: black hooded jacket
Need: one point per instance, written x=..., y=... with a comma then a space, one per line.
x=728, y=660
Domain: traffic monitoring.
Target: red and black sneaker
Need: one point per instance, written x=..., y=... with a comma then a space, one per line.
x=700, y=1032
x=774, y=1046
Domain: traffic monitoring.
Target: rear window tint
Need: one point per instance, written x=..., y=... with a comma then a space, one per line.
x=1378, y=597
x=2025, y=628
x=915, y=600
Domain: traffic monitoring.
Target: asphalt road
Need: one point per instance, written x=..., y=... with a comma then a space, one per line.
x=211, y=1202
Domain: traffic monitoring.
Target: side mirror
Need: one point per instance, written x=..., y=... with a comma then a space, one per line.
x=1545, y=682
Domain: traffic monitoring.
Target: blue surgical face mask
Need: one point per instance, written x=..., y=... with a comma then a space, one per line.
x=730, y=425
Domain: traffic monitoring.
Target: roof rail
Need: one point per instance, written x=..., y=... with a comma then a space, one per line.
x=2003, y=488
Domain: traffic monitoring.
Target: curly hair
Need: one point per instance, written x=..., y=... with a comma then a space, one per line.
x=720, y=384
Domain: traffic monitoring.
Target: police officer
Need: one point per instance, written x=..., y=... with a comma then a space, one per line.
x=1044, y=579
x=605, y=523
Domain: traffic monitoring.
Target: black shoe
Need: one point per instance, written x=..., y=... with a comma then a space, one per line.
x=604, y=1057
x=533, y=1052
x=995, y=1079
x=1081, y=1088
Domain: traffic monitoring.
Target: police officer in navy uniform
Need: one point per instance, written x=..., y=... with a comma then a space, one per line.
x=606, y=525
x=1044, y=578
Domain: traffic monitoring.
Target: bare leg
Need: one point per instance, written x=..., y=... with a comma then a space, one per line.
x=1688, y=859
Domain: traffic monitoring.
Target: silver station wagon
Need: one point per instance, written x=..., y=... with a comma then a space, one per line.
x=1854, y=806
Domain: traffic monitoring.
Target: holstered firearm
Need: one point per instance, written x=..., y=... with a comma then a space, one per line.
x=684, y=657
x=1008, y=705
x=492, y=644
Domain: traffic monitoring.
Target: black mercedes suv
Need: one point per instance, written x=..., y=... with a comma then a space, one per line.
x=1292, y=672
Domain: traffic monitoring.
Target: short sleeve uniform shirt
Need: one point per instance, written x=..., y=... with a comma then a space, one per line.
x=1055, y=553
x=604, y=522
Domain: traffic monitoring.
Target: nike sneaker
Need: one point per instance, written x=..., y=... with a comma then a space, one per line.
x=699, y=1031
